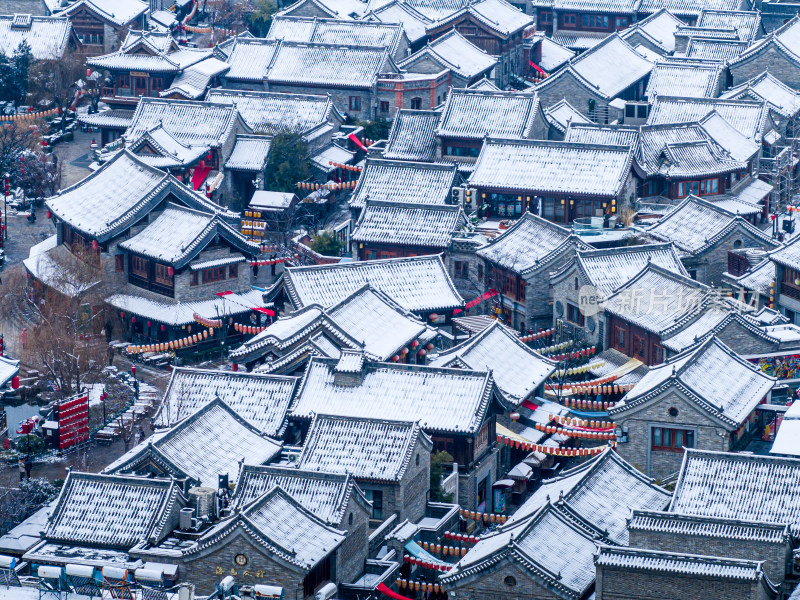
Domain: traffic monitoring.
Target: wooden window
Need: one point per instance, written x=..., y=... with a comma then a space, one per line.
x=193, y=279
x=621, y=22
x=233, y=271
x=214, y=274
x=574, y=315
x=569, y=20
x=461, y=269
x=139, y=266
x=384, y=106
x=355, y=103
x=619, y=336
x=658, y=354
x=546, y=18
x=162, y=274
x=157, y=83
x=376, y=497
x=522, y=287
x=672, y=440
x=119, y=263
x=416, y=103
x=480, y=272
x=639, y=346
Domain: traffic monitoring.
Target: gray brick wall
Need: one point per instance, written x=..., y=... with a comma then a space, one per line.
x=768, y=60
x=618, y=584
x=577, y=95
x=353, y=551
x=775, y=556
x=657, y=463
x=492, y=584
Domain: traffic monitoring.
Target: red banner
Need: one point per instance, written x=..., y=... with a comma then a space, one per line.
x=536, y=67
x=353, y=138
x=73, y=421
x=485, y=296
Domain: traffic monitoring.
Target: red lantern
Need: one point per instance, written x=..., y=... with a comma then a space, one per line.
x=149, y=323
x=171, y=271
x=49, y=214
x=133, y=319
x=235, y=367
x=15, y=382
x=133, y=370
x=94, y=245
x=163, y=328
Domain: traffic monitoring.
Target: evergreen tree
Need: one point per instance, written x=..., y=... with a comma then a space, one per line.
x=21, y=66
x=288, y=163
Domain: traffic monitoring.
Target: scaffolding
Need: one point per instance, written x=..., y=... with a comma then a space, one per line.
x=779, y=166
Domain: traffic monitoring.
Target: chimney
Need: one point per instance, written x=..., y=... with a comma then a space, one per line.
x=349, y=371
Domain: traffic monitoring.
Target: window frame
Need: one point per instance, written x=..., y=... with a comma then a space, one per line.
x=669, y=441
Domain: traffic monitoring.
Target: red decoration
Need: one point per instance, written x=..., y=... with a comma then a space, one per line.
x=133, y=370
x=15, y=382
x=235, y=367
x=171, y=271
x=133, y=319
x=49, y=214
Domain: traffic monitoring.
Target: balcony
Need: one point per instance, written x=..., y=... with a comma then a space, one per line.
x=790, y=290
x=158, y=288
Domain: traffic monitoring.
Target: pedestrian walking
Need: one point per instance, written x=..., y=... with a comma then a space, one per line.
x=21, y=469
x=28, y=467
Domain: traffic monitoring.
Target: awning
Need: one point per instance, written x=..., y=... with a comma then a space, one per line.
x=199, y=176
x=503, y=484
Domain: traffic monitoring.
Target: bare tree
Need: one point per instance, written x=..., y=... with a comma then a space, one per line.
x=16, y=139
x=59, y=82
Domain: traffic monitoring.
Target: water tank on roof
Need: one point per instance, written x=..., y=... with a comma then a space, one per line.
x=204, y=500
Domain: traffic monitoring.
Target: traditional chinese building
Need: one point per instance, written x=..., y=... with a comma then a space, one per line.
x=102, y=24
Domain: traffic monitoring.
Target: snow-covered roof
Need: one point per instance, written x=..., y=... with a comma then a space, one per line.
x=404, y=181
x=602, y=491
x=673, y=564
x=693, y=80
x=213, y=441
x=113, y=510
x=331, y=65
x=687, y=8
x=609, y=268
x=586, y=132
x=8, y=370
x=659, y=27
x=271, y=112
x=747, y=24
x=518, y=370
x=250, y=153
x=783, y=41
x=261, y=400
x=554, y=549
x=436, y=9
x=601, y=6
x=656, y=298
x=714, y=49
x=696, y=225
x=730, y=485
x=402, y=223
x=497, y=15
x=179, y=234
x=368, y=449
x=443, y=400
x=787, y=255
x=562, y=115
x=336, y=31
x=757, y=278
x=151, y=52
x=538, y=166
x=376, y=322
x=47, y=37
x=712, y=527
x=118, y=118
x=739, y=146
x=475, y=114
x=412, y=136
x=335, y=9
x=734, y=391
x=283, y=527
x=553, y=54
x=611, y=66
x=418, y=284
x=118, y=12
x=414, y=23
x=747, y=116
x=456, y=53
x=182, y=313
x=324, y=494
x=190, y=122
x=780, y=97
x=528, y=244
x=119, y=194
x=787, y=438
x=193, y=82
x=250, y=59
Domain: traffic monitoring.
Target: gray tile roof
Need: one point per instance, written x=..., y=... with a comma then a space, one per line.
x=250, y=153
x=456, y=53
x=695, y=81
x=47, y=36
x=412, y=136
x=537, y=166
x=402, y=223
x=713, y=527
x=336, y=31
x=748, y=487
x=518, y=370
x=443, y=400
x=714, y=49
x=261, y=400
x=475, y=114
x=370, y=449
x=737, y=387
x=112, y=510
x=690, y=8
x=780, y=97
x=611, y=66
x=404, y=181
x=748, y=117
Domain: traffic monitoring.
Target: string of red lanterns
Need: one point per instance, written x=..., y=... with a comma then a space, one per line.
x=417, y=586
x=482, y=516
x=594, y=386
x=248, y=329
x=344, y=167
x=426, y=564
x=577, y=433
x=461, y=537
x=576, y=423
x=313, y=187
x=552, y=450
x=30, y=116
x=537, y=336
x=173, y=345
x=213, y=323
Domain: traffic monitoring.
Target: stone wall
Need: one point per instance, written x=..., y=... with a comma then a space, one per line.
x=767, y=60
x=505, y=581
x=353, y=552
x=577, y=94
x=415, y=484
x=340, y=96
